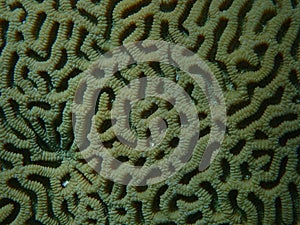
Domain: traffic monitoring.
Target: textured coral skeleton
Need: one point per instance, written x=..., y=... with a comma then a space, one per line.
x=253, y=49
x=145, y=114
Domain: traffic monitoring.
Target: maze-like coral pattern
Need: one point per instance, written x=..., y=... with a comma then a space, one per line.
x=251, y=45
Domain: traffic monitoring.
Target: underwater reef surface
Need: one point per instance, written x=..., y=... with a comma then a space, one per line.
x=252, y=46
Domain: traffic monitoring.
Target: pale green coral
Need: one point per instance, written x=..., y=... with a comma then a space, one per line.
x=252, y=47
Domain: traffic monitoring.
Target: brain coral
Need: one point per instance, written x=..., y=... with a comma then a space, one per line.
x=251, y=45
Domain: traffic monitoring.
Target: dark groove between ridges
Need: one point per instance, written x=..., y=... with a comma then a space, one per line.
x=232, y=195
x=88, y=16
x=259, y=205
x=200, y=21
x=148, y=26
x=9, y=147
x=243, y=66
x=218, y=31
x=288, y=135
x=18, y=5
x=139, y=218
x=105, y=207
x=13, y=60
x=295, y=46
x=109, y=17
x=259, y=153
x=73, y=3
x=228, y=84
x=188, y=176
x=18, y=133
x=38, y=23
x=15, y=184
x=276, y=121
x=211, y=191
x=275, y=99
x=283, y=30
x=63, y=59
x=199, y=42
x=69, y=29
x=238, y=106
x=261, y=49
x=271, y=184
x=65, y=209
x=41, y=143
x=292, y=187
x=3, y=31
x=194, y=217
x=278, y=211
x=260, y=135
x=245, y=171
x=56, y=140
x=235, y=43
x=127, y=31
x=47, y=79
x=225, y=165
x=168, y=6
x=133, y=9
x=156, y=200
x=173, y=201
x=84, y=177
x=39, y=104
x=45, y=181
x=298, y=161
x=237, y=148
x=267, y=16
x=184, y=15
x=293, y=77
x=83, y=33
x=64, y=83
x=167, y=223
x=50, y=41
x=278, y=61
x=225, y=5
x=13, y=215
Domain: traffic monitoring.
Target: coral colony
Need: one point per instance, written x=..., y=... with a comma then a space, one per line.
x=51, y=170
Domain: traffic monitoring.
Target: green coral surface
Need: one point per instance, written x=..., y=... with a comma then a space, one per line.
x=252, y=46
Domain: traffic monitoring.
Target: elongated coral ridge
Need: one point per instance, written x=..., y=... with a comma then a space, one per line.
x=253, y=49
